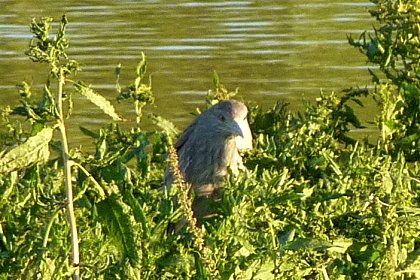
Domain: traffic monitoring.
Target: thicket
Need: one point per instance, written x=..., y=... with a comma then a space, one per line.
x=314, y=203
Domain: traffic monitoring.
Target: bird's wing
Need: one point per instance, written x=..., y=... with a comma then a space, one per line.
x=169, y=177
x=184, y=137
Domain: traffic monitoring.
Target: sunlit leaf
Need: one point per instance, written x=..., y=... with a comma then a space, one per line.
x=287, y=236
x=166, y=125
x=34, y=150
x=98, y=100
x=309, y=243
x=265, y=272
x=340, y=245
x=141, y=68
x=387, y=183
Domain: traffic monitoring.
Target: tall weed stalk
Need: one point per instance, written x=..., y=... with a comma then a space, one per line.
x=50, y=113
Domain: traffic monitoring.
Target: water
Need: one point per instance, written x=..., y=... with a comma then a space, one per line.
x=270, y=50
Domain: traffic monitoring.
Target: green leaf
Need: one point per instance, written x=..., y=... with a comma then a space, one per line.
x=119, y=226
x=309, y=244
x=199, y=267
x=141, y=67
x=216, y=79
x=88, y=132
x=357, y=101
x=387, y=183
x=98, y=100
x=340, y=245
x=363, y=252
x=35, y=149
x=7, y=190
x=265, y=272
x=351, y=117
x=138, y=212
x=24, y=89
x=166, y=125
x=287, y=235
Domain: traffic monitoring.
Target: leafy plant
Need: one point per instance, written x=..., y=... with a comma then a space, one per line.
x=313, y=203
x=140, y=93
x=394, y=47
x=49, y=113
x=220, y=92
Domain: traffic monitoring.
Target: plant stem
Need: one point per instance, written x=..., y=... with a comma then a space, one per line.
x=67, y=178
x=138, y=112
x=4, y=239
x=98, y=187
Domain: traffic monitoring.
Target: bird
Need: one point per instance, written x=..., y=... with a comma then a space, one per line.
x=208, y=148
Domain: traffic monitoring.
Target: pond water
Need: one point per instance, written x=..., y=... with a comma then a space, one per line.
x=270, y=50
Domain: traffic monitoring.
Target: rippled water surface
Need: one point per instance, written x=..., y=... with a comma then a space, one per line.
x=270, y=50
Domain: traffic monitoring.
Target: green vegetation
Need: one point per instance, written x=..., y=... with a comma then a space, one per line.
x=314, y=203
x=394, y=47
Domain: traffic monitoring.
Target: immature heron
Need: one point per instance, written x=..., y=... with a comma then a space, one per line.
x=209, y=146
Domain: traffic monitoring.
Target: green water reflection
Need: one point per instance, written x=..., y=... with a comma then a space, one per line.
x=271, y=50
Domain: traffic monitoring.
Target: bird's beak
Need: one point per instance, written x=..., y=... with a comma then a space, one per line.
x=236, y=129
x=244, y=136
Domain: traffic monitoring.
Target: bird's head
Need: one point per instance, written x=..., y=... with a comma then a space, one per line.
x=229, y=118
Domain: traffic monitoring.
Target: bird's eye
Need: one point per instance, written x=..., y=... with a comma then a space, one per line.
x=222, y=118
